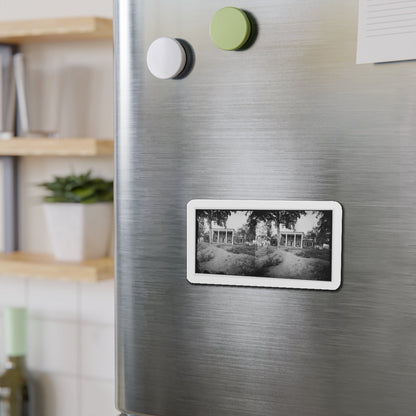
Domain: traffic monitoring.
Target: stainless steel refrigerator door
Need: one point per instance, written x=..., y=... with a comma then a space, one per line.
x=292, y=117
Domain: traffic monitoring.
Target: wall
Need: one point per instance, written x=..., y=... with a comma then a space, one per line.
x=71, y=335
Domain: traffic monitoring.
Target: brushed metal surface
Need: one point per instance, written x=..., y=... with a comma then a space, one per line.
x=292, y=117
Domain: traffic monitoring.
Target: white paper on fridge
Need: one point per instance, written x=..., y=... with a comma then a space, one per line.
x=386, y=31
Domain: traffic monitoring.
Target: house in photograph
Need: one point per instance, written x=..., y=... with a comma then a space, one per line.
x=293, y=239
x=308, y=243
x=222, y=235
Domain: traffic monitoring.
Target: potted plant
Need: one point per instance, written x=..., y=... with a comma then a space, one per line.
x=79, y=216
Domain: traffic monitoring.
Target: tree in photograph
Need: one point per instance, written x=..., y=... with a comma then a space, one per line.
x=311, y=235
x=264, y=231
x=210, y=215
x=200, y=231
x=323, y=229
x=286, y=218
x=245, y=234
x=242, y=234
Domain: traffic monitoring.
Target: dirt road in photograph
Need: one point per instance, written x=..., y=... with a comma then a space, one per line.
x=216, y=260
x=267, y=262
x=295, y=267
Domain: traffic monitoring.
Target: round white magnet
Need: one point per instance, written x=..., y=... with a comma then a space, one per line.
x=166, y=58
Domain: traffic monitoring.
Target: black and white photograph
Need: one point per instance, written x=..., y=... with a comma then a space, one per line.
x=285, y=244
x=273, y=244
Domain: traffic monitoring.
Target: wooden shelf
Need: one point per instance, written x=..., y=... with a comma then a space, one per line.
x=44, y=266
x=39, y=30
x=18, y=146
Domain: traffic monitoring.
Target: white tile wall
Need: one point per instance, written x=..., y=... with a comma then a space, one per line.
x=70, y=343
x=12, y=292
x=97, y=303
x=93, y=389
x=49, y=298
x=53, y=346
x=97, y=352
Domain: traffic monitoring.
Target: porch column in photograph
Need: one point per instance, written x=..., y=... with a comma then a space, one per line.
x=286, y=240
x=301, y=241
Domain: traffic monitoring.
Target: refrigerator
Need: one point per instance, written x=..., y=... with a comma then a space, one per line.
x=265, y=113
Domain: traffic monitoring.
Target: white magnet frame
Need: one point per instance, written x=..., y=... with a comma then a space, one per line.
x=215, y=279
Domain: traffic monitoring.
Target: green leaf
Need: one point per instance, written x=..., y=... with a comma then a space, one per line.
x=79, y=189
x=53, y=199
x=84, y=192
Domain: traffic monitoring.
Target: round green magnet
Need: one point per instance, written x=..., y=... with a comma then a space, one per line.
x=230, y=28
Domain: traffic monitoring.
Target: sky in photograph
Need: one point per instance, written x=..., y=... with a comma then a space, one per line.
x=307, y=222
x=237, y=219
x=304, y=224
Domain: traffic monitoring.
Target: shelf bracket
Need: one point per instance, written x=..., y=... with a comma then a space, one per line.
x=10, y=203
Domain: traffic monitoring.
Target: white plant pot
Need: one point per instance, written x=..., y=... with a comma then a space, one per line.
x=79, y=231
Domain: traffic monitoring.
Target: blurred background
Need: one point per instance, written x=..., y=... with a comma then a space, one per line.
x=70, y=323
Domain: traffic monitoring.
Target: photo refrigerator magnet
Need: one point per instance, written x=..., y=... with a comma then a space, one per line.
x=280, y=244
